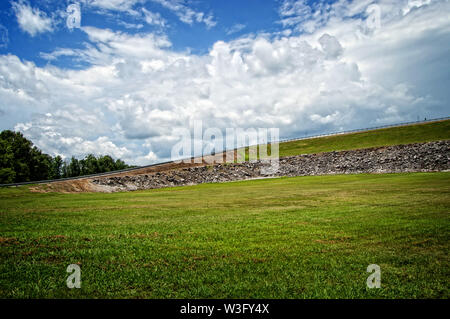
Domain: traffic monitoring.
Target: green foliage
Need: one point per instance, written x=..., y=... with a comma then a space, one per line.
x=19, y=157
x=20, y=161
x=119, y=164
x=92, y=165
x=74, y=167
x=40, y=165
x=7, y=175
x=106, y=163
x=56, y=167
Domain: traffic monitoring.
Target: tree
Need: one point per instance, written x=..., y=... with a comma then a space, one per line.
x=74, y=168
x=119, y=164
x=7, y=173
x=65, y=170
x=106, y=164
x=91, y=164
x=56, y=171
x=20, y=161
x=21, y=150
x=40, y=165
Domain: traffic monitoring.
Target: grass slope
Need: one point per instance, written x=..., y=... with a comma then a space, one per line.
x=302, y=237
x=418, y=133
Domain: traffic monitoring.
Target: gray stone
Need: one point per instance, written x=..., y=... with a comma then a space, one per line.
x=420, y=157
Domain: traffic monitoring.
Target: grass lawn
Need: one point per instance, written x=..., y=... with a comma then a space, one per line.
x=417, y=133
x=302, y=237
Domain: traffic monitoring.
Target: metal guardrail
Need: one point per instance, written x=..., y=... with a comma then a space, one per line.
x=168, y=162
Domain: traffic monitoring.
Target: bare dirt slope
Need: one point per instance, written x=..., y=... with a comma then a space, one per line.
x=86, y=185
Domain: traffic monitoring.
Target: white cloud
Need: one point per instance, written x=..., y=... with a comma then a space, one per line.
x=107, y=47
x=115, y=5
x=290, y=8
x=131, y=25
x=186, y=14
x=330, y=45
x=136, y=8
x=235, y=28
x=148, y=159
x=153, y=18
x=4, y=39
x=138, y=91
x=330, y=118
x=304, y=17
x=295, y=13
x=414, y=4
x=58, y=53
x=31, y=20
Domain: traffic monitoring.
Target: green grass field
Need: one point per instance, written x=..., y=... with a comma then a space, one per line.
x=418, y=133
x=302, y=237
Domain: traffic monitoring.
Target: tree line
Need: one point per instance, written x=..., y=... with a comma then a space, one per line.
x=21, y=161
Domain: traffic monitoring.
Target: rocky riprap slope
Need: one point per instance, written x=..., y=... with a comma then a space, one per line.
x=423, y=157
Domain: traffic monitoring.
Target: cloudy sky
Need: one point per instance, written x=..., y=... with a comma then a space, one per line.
x=136, y=71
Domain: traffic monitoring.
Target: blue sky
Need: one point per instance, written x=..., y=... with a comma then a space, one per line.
x=136, y=72
x=232, y=19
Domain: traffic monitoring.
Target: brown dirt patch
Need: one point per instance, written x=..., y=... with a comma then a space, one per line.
x=6, y=241
x=86, y=185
